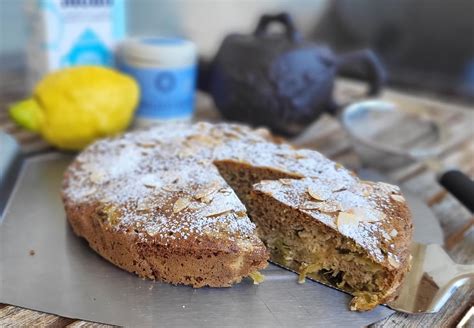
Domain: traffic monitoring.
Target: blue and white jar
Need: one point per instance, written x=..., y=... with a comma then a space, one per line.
x=165, y=69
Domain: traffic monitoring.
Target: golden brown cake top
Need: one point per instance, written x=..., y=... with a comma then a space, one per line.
x=163, y=184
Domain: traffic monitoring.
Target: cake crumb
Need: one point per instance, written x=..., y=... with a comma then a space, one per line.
x=257, y=277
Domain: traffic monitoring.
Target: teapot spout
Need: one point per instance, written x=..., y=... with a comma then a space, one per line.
x=204, y=75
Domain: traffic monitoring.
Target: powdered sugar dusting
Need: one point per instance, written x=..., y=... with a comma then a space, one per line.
x=162, y=182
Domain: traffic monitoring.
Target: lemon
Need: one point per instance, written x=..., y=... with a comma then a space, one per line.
x=74, y=106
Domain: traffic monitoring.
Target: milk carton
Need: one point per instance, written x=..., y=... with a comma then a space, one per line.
x=72, y=32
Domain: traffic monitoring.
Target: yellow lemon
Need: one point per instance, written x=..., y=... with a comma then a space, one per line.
x=72, y=107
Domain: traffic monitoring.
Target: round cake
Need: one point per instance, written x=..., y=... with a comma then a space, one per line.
x=171, y=203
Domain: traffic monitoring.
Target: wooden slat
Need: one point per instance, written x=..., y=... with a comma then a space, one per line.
x=462, y=143
x=324, y=127
x=349, y=159
x=349, y=90
x=457, y=236
x=11, y=316
x=326, y=136
x=36, y=145
x=451, y=215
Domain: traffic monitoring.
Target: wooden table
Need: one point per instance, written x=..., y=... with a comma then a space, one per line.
x=328, y=137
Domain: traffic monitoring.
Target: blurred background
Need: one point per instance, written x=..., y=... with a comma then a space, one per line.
x=427, y=45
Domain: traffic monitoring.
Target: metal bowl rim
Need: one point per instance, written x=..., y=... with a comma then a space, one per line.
x=354, y=107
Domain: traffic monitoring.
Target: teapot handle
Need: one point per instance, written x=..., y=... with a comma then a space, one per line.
x=376, y=74
x=285, y=19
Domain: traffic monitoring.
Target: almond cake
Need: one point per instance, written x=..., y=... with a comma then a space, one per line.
x=207, y=204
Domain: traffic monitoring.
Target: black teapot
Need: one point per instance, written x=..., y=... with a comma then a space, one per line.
x=279, y=80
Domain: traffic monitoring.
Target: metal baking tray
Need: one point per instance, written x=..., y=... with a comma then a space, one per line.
x=45, y=267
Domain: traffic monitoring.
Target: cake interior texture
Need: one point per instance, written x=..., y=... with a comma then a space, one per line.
x=298, y=241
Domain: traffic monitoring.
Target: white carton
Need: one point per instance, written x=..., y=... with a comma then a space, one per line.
x=72, y=32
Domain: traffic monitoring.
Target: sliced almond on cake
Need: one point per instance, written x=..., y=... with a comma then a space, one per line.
x=316, y=195
x=397, y=198
x=181, y=204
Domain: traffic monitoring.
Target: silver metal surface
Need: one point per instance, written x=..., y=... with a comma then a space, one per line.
x=10, y=159
x=432, y=280
x=9, y=149
x=386, y=137
x=65, y=277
